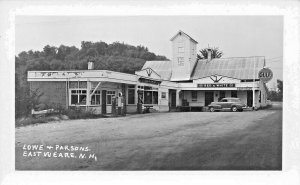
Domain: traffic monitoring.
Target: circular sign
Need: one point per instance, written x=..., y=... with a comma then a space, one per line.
x=265, y=75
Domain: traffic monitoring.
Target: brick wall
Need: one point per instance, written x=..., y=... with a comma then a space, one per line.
x=53, y=92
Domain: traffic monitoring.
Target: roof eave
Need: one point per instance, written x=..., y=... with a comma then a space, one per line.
x=184, y=34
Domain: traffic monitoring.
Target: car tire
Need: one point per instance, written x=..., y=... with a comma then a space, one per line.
x=211, y=109
x=234, y=109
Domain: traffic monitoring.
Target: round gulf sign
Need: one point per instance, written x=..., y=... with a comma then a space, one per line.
x=265, y=75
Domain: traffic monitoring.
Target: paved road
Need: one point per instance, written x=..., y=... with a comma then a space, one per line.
x=162, y=141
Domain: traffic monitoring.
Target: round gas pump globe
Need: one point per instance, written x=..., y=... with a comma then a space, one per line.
x=265, y=75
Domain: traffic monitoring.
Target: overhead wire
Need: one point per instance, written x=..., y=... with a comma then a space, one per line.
x=274, y=58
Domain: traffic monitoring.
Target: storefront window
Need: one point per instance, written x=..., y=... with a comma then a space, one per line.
x=155, y=97
x=222, y=95
x=131, y=95
x=95, y=99
x=109, y=96
x=74, y=99
x=150, y=95
x=78, y=97
x=147, y=97
x=194, y=95
x=234, y=94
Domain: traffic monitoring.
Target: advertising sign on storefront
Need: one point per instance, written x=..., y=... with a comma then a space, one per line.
x=145, y=80
x=216, y=85
x=265, y=75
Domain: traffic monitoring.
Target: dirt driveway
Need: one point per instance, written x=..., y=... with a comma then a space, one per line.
x=161, y=141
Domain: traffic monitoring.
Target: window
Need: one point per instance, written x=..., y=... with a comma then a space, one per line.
x=131, y=95
x=180, y=61
x=78, y=97
x=95, y=99
x=109, y=96
x=155, y=97
x=224, y=100
x=150, y=95
x=194, y=95
x=222, y=95
x=259, y=100
x=163, y=95
x=234, y=94
x=180, y=49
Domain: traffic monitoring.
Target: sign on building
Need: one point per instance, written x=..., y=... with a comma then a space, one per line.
x=216, y=85
x=145, y=80
x=265, y=75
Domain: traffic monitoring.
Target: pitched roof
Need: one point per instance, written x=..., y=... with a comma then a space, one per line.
x=238, y=67
x=179, y=32
x=162, y=68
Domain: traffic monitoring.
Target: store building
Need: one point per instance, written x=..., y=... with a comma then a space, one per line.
x=159, y=85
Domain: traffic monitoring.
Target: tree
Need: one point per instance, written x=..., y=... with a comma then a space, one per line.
x=215, y=53
x=50, y=51
x=276, y=95
x=280, y=89
x=280, y=85
x=91, y=55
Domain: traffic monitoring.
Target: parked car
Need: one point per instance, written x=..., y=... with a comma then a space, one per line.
x=233, y=104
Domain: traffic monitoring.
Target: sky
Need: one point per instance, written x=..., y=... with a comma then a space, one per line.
x=236, y=36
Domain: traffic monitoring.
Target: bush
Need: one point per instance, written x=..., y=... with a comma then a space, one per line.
x=78, y=113
x=58, y=114
x=275, y=96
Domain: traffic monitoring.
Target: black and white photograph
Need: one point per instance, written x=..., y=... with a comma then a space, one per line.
x=149, y=93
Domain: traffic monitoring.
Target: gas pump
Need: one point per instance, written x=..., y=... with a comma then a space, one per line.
x=120, y=103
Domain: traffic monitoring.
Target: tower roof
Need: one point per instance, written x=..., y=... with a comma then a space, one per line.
x=181, y=32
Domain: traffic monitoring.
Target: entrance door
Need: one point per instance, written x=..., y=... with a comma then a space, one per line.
x=103, y=101
x=173, y=98
x=209, y=97
x=222, y=95
x=249, y=98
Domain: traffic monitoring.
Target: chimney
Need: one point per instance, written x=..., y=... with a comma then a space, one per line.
x=208, y=55
x=90, y=65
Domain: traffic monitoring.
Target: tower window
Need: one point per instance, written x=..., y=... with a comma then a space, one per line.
x=180, y=49
x=180, y=61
